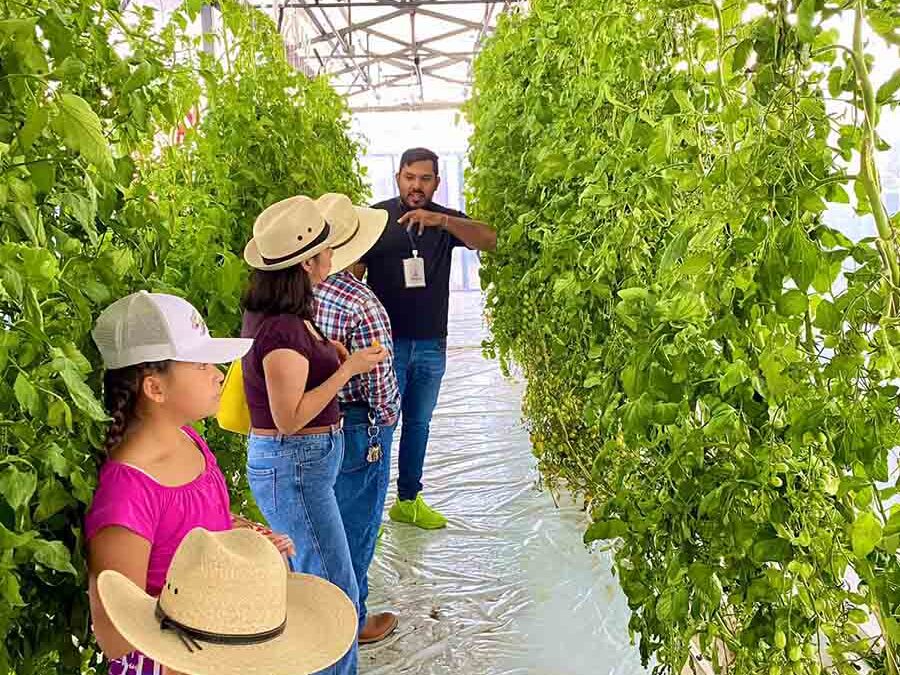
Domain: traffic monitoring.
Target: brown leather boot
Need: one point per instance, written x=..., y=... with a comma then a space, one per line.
x=378, y=627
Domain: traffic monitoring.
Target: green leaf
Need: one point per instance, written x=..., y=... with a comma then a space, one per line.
x=34, y=125
x=635, y=294
x=84, y=210
x=735, y=374
x=836, y=81
x=17, y=486
x=792, y=303
x=43, y=174
x=27, y=219
x=594, y=380
x=82, y=131
x=10, y=540
x=52, y=554
x=59, y=415
x=771, y=550
x=741, y=53
x=827, y=317
x=805, y=15
x=82, y=394
x=661, y=147
x=684, y=100
x=141, y=76
x=812, y=202
x=675, y=250
x=52, y=498
x=27, y=395
x=665, y=413
x=865, y=534
x=605, y=529
x=888, y=89
x=9, y=588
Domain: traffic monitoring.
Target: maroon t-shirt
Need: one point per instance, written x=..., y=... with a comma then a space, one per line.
x=285, y=331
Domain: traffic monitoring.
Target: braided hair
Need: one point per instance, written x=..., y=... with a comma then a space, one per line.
x=121, y=392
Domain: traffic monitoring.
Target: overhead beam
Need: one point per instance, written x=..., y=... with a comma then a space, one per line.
x=374, y=21
x=408, y=107
x=423, y=45
x=336, y=4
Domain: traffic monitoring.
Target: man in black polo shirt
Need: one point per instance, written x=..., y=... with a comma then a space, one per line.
x=409, y=270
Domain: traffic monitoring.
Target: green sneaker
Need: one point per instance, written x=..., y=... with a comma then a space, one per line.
x=417, y=512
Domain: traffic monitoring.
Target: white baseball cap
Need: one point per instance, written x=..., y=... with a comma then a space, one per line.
x=145, y=327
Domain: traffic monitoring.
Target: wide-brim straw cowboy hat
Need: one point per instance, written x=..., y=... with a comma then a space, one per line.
x=229, y=607
x=299, y=228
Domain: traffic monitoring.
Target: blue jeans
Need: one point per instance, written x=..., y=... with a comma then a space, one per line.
x=361, y=489
x=420, y=366
x=292, y=479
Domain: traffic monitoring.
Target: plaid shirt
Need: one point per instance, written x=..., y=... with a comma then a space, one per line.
x=348, y=311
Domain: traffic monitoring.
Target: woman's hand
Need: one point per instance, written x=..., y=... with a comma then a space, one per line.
x=364, y=360
x=282, y=542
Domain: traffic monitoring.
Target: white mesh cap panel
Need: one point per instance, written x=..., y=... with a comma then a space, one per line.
x=133, y=330
x=157, y=327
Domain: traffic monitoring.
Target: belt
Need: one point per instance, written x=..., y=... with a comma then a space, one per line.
x=307, y=431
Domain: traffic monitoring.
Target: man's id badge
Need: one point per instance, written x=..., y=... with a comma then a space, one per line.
x=414, y=271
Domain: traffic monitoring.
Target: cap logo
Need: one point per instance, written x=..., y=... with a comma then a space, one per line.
x=197, y=323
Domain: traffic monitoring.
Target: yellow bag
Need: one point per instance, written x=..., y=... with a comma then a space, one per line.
x=234, y=415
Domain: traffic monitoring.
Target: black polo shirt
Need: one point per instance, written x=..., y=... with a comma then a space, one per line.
x=416, y=313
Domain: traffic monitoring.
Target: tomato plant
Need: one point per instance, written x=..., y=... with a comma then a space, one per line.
x=709, y=364
x=92, y=207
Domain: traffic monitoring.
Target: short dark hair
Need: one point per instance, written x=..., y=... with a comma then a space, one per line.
x=287, y=291
x=414, y=155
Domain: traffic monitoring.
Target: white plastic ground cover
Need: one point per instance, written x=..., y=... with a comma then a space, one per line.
x=508, y=588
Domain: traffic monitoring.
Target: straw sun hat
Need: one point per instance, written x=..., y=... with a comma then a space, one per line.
x=298, y=228
x=229, y=607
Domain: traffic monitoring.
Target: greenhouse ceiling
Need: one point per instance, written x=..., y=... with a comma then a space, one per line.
x=383, y=55
x=389, y=54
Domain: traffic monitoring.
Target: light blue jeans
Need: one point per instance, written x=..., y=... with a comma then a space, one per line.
x=292, y=479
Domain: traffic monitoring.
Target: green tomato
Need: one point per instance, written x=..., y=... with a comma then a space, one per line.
x=775, y=481
x=809, y=650
x=794, y=653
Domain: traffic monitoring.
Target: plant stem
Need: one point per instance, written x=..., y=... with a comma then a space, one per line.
x=868, y=173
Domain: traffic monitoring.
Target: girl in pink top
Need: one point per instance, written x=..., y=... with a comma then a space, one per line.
x=161, y=480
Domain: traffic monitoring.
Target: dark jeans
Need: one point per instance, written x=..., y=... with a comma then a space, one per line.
x=420, y=366
x=361, y=489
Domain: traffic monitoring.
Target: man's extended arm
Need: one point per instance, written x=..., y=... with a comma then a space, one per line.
x=474, y=234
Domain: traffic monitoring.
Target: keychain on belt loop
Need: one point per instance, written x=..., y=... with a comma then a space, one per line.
x=375, y=453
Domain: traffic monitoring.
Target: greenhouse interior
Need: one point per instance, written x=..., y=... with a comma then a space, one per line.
x=432, y=337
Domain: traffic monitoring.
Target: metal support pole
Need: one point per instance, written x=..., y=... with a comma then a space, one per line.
x=206, y=27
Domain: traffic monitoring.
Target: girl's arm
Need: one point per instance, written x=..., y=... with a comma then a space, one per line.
x=120, y=549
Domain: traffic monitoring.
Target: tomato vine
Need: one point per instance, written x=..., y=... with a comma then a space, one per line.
x=93, y=207
x=709, y=363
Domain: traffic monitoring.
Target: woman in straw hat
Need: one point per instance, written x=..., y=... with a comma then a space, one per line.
x=229, y=607
x=292, y=376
